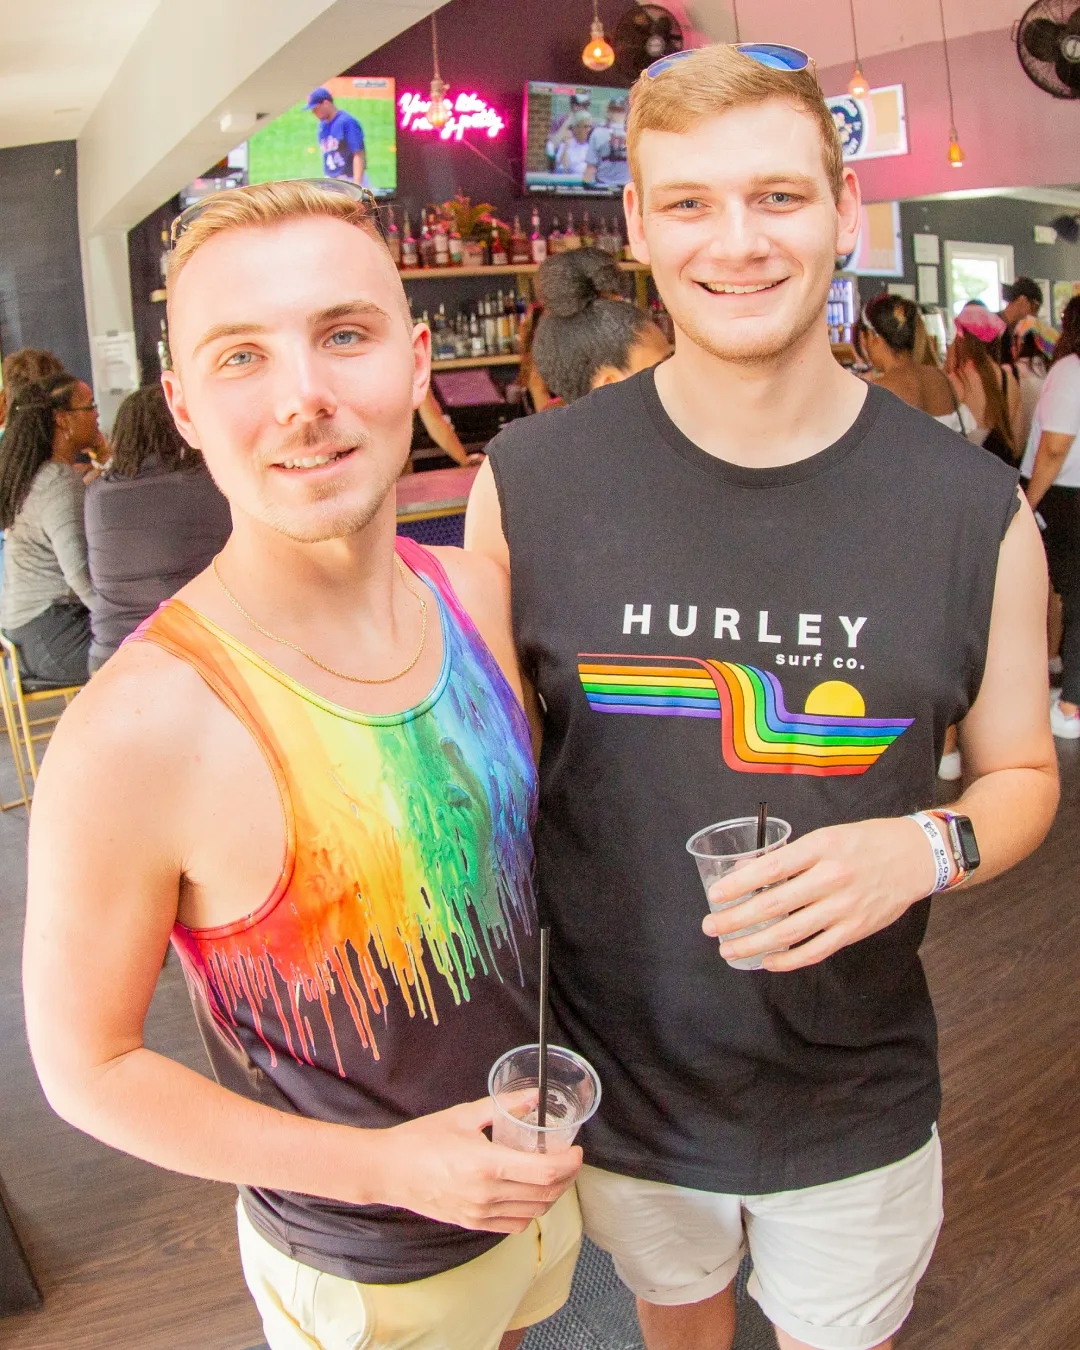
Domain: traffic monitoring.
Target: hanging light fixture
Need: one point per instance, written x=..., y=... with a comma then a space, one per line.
x=440, y=111
x=599, y=53
x=735, y=16
x=956, y=153
x=858, y=85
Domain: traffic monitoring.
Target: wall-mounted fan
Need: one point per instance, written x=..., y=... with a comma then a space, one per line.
x=1068, y=228
x=643, y=35
x=1048, y=44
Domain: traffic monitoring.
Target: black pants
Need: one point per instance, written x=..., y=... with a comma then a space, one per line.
x=1060, y=508
x=55, y=645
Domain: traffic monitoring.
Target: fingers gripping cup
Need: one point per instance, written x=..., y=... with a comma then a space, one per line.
x=719, y=849
x=573, y=1094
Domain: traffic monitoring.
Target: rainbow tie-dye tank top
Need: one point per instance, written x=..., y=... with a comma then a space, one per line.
x=396, y=958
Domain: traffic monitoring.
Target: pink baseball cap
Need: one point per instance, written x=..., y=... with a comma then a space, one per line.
x=977, y=320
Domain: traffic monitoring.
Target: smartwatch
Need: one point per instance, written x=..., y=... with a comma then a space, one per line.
x=960, y=834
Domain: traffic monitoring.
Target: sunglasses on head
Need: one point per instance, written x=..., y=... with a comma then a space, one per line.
x=335, y=187
x=771, y=54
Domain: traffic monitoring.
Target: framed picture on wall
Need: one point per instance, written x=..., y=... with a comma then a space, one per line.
x=879, y=252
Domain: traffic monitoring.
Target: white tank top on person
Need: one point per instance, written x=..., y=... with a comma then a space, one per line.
x=1058, y=409
x=962, y=420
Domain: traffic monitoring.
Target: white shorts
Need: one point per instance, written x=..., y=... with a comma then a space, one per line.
x=835, y=1266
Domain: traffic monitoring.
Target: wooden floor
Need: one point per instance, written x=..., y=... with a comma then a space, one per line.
x=131, y=1258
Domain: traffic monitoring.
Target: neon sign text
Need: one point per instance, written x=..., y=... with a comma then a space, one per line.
x=469, y=113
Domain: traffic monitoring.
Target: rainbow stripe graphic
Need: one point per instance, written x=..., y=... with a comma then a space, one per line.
x=757, y=732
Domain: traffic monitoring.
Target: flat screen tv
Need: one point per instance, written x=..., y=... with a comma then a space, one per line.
x=288, y=147
x=575, y=139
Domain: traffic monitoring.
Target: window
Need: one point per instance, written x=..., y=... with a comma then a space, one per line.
x=976, y=272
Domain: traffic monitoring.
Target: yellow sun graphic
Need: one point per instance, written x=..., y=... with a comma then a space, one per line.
x=836, y=698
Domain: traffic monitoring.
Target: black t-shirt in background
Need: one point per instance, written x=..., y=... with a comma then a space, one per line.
x=705, y=636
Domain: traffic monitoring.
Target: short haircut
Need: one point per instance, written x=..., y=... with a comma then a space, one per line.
x=266, y=204
x=584, y=325
x=718, y=79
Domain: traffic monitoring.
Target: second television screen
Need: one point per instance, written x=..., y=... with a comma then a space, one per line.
x=575, y=139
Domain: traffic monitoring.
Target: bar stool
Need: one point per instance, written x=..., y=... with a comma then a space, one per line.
x=20, y=697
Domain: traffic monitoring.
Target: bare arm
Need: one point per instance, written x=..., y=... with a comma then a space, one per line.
x=359, y=164
x=107, y=853
x=1049, y=457
x=441, y=430
x=843, y=883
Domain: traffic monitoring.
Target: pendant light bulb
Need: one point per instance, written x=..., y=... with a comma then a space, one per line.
x=956, y=153
x=858, y=85
x=599, y=54
x=439, y=112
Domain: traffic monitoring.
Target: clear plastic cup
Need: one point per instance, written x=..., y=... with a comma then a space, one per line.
x=719, y=849
x=573, y=1094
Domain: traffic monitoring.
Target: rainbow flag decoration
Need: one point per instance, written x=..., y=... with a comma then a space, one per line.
x=757, y=732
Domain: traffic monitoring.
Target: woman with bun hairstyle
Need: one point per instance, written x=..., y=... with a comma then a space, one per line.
x=893, y=334
x=588, y=334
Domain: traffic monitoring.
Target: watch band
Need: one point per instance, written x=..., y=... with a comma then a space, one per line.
x=942, y=860
x=952, y=834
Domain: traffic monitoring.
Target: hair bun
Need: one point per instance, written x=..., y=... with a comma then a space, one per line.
x=568, y=283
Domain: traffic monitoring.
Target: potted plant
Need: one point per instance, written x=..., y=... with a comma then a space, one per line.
x=475, y=224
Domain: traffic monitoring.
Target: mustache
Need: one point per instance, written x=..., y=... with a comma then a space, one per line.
x=314, y=439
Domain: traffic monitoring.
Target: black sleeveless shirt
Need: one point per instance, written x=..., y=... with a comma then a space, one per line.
x=704, y=636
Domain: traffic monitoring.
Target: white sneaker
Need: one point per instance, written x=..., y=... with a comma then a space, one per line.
x=1055, y=666
x=1064, y=727
x=950, y=767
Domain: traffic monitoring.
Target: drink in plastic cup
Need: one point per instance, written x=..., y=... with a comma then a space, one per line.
x=573, y=1094
x=719, y=849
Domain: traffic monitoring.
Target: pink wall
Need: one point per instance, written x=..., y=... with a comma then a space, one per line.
x=1012, y=133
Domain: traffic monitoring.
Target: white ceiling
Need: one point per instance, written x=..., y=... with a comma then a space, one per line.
x=57, y=58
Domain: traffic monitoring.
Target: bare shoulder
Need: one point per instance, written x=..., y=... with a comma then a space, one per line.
x=483, y=519
x=483, y=587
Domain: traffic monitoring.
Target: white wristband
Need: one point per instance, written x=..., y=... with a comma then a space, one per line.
x=942, y=860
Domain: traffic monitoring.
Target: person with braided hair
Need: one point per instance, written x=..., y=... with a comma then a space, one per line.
x=47, y=591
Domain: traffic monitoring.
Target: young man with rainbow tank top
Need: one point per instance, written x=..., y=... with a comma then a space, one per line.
x=312, y=770
x=745, y=575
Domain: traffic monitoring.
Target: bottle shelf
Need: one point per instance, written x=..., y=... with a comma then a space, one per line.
x=512, y=269
x=472, y=362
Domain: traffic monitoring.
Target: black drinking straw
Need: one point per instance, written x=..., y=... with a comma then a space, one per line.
x=541, y=1105
x=762, y=822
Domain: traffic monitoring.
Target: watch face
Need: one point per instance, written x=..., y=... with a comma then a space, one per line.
x=965, y=834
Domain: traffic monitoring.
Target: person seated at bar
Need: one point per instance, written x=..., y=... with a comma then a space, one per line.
x=891, y=327
x=47, y=591
x=154, y=520
x=588, y=334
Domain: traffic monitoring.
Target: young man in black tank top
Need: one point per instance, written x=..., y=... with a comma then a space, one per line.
x=730, y=577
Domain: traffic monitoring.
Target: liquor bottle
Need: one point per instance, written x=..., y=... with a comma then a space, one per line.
x=410, y=254
x=499, y=256
x=555, y=237
x=476, y=335
x=444, y=337
x=164, y=356
x=427, y=243
x=588, y=239
x=537, y=242
x=519, y=244
x=512, y=318
x=163, y=260
x=442, y=244
x=491, y=335
x=393, y=237
x=502, y=326
x=461, y=336
x=457, y=248
x=571, y=239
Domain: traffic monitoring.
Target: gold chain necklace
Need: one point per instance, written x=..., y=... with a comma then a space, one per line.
x=354, y=679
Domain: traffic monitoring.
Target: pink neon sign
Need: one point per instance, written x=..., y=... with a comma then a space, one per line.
x=469, y=113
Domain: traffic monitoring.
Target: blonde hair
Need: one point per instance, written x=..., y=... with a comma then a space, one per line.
x=265, y=204
x=717, y=79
